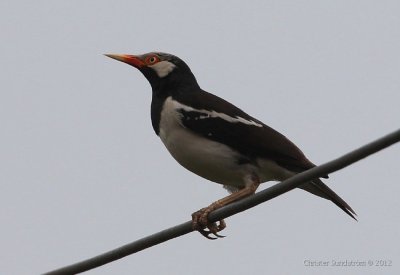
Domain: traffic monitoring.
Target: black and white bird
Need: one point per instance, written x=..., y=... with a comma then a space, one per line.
x=216, y=140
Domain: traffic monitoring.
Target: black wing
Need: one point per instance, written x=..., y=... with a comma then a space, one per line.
x=249, y=139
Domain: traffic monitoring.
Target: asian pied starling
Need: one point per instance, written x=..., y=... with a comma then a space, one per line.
x=216, y=140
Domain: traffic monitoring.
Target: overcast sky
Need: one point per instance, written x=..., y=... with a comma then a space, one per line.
x=82, y=172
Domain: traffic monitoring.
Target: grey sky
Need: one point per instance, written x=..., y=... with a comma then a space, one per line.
x=82, y=172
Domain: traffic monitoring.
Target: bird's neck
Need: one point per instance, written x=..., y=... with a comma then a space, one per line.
x=170, y=87
x=174, y=83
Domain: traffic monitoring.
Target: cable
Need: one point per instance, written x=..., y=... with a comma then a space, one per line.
x=234, y=208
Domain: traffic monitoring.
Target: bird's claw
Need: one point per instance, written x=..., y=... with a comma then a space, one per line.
x=200, y=223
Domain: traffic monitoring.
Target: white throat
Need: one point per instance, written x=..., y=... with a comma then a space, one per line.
x=163, y=68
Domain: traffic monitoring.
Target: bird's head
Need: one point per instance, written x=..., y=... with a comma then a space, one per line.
x=163, y=71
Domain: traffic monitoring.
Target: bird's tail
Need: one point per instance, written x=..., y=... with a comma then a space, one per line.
x=317, y=187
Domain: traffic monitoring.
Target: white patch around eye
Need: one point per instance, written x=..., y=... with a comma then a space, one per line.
x=163, y=68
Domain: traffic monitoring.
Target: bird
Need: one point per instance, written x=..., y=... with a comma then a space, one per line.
x=216, y=140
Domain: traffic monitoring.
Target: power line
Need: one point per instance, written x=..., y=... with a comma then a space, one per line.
x=234, y=208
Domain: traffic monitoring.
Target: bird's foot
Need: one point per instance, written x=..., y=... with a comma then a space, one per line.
x=200, y=223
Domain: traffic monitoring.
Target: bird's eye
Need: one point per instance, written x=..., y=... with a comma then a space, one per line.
x=152, y=59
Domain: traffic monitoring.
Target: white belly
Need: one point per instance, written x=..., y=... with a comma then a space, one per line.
x=206, y=158
x=209, y=159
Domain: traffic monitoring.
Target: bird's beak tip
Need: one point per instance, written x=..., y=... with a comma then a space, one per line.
x=129, y=59
x=118, y=57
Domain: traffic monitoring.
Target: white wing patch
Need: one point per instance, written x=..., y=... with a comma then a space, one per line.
x=163, y=68
x=213, y=114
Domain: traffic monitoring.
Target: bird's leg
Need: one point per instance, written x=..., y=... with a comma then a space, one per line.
x=200, y=218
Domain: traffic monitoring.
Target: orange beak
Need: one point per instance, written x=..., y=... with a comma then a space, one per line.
x=133, y=60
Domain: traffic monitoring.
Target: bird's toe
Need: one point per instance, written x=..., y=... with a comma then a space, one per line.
x=200, y=223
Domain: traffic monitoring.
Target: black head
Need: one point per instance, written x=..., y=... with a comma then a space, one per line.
x=165, y=72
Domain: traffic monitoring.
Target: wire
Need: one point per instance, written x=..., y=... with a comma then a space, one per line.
x=234, y=208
